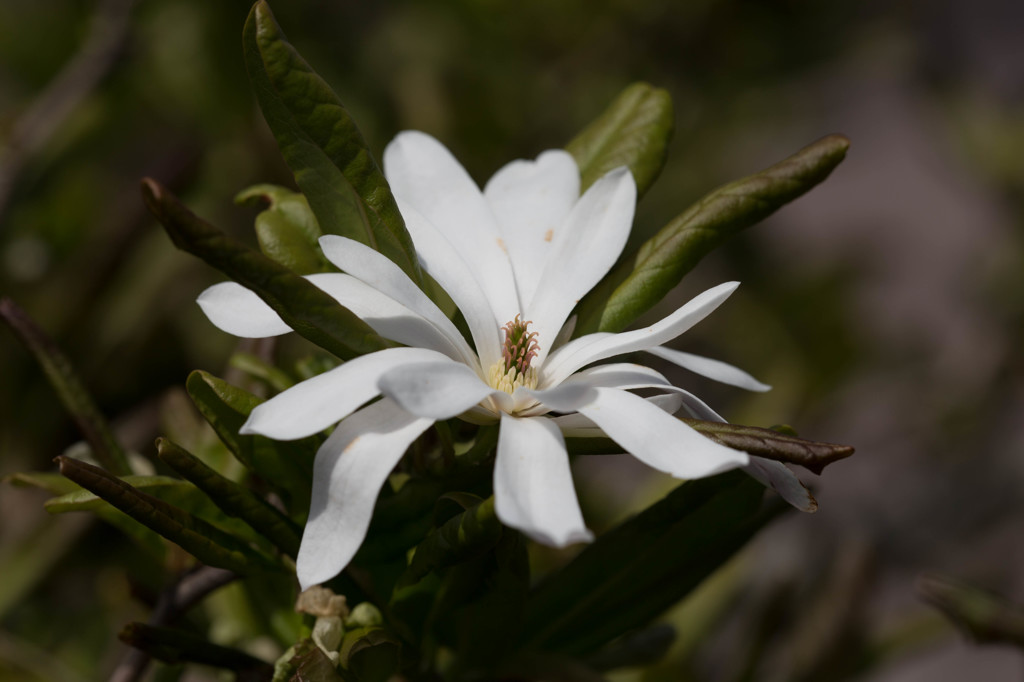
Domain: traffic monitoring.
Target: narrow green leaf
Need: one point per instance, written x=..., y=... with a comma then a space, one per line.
x=640, y=281
x=51, y=483
x=197, y=537
x=70, y=390
x=305, y=308
x=172, y=645
x=232, y=498
x=286, y=229
x=631, y=574
x=260, y=369
x=370, y=654
x=322, y=145
x=463, y=537
x=285, y=465
x=634, y=131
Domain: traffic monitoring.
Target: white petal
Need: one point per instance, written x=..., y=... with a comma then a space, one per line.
x=659, y=439
x=563, y=398
x=779, y=478
x=440, y=390
x=426, y=177
x=531, y=200
x=382, y=274
x=315, y=404
x=620, y=375
x=712, y=369
x=350, y=469
x=533, y=489
x=576, y=425
x=442, y=261
x=584, y=249
x=593, y=347
x=237, y=310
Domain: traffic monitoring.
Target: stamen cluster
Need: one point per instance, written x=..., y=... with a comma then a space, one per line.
x=520, y=346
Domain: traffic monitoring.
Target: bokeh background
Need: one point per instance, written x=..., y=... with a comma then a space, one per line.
x=886, y=307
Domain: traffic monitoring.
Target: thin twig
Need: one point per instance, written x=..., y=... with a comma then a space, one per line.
x=174, y=601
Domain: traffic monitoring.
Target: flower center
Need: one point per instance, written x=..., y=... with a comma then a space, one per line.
x=518, y=351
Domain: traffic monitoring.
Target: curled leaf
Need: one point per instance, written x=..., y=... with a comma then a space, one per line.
x=286, y=229
x=771, y=444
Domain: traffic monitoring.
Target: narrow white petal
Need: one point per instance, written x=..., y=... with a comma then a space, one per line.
x=315, y=404
x=442, y=261
x=350, y=469
x=620, y=375
x=238, y=311
x=712, y=369
x=533, y=489
x=564, y=398
x=531, y=200
x=576, y=425
x=380, y=273
x=593, y=347
x=439, y=390
x=779, y=478
x=591, y=240
x=426, y=177
x=659, y=439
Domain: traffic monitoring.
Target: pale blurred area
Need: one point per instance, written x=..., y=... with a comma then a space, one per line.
x=886, y=307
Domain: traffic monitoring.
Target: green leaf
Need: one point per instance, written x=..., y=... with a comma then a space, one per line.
x=197, y=537
x=634, y=131
x=463, y=537
x=633, y=573
x=322, y=145
x=285, y=465
x=69, y=387
x=260, y=369
x=640, y=281
x=305, y=308
x=51, y=483
x=370, y=654
x=287, y=230
x=232, y=498
x=172, y=645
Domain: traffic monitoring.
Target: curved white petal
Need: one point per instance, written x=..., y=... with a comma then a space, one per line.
x=593, y=347
x=350, y=469
x=564, y=398
x=315, y=404
x=442, y=261
x=380, y=273
x=712, y=369
x=576, y=425
x=659, y=439
x=425, y=176
x=439, y=390
x=620, y=375
x=583, y=251
x=531, y=200
x=238, y=311
x=533, y=489
x=779, y=478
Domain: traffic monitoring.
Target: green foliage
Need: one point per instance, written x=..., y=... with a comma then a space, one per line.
x=641, y=280
x=322, y=145
x=286, y=229
x=634, y=131
x=305, y=308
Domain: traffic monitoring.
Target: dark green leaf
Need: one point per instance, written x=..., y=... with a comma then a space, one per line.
x=634, y=131
x=260, y=369
x=463, y=537
x=631, y=574
x=70, y=390
x=322, y=145
x=232, y=498
x=640, y=281
x=635, y=649
x=172, y=645
x=305, y=308
x=309, y=664
x=285, y=465
x=287, y=229
x=197, y=537
x=370, y=654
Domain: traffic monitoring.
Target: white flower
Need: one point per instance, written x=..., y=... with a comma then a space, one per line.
x=515, y=259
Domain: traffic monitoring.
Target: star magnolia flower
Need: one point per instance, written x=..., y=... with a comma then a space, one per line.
x=515, y=259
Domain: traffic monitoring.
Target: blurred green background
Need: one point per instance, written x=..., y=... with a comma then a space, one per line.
x=886, y=307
